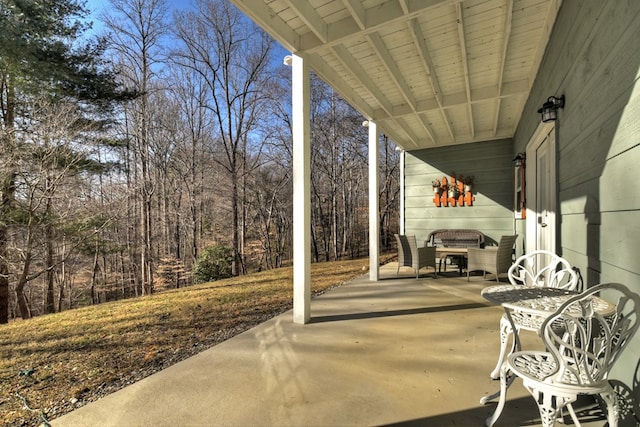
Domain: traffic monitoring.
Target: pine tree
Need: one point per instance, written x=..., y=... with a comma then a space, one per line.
x=43, y=55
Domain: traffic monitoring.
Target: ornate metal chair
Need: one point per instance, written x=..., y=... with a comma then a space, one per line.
x=583, y=340
x=410, y=255
x=491, y=259
x=538, y=268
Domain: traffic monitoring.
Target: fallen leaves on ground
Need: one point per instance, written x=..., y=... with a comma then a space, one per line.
x=53, y=364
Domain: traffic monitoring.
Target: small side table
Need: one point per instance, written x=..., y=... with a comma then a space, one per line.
x=443, y=252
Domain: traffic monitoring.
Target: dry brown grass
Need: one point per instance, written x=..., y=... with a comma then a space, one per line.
x=53, y=364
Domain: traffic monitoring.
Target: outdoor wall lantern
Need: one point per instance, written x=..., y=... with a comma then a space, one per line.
x=549, y=110
x=519, y=159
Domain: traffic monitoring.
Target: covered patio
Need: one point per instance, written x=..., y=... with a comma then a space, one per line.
x=399, y=351
x=432, y=75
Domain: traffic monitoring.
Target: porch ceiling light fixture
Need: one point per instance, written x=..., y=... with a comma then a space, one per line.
x=549, y=110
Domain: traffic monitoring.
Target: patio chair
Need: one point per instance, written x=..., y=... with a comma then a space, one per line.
x=495, y=260
x=538, y=268
x=410, y=255
x=582, y=345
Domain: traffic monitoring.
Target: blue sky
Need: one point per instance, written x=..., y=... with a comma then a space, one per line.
x=96, y=7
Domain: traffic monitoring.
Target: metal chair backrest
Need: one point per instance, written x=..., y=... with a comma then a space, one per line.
x=544, y=269
x=584, y=340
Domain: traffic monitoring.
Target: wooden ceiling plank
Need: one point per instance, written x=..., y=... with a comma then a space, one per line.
x=462, y=73
x=329, y=74
x=259, y=12
x=343, y=55
x=311, y=18
x=376, y=18
x=357, y=12
x=392, y=68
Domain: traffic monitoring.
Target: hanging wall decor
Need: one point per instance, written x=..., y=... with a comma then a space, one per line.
x=454, y=191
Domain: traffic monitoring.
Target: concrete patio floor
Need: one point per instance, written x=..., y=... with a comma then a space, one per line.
x=397, y=352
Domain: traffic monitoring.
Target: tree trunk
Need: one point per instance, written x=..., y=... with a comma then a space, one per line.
x=7, y=197
x=94, y=277
x=23, y=302
x=49, y=274
x=7, y=192
x=235, y=266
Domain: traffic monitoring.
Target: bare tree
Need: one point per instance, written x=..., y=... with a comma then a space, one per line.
x=136, y=31
x=231, y=55
x=339, y=169
x=192, y=166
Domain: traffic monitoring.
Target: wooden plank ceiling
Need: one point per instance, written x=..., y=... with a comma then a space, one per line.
x=428, y=72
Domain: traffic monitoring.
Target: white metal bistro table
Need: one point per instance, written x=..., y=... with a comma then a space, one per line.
x=530, y=305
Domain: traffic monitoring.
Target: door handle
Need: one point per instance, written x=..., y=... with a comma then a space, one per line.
x=542, y=224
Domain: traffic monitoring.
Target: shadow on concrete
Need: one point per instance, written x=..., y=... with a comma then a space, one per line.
x=391, y=313
x=516, y=413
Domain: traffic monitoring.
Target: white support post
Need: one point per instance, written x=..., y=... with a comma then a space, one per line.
x=300, y=103
x=401, y=225
x=374, y=204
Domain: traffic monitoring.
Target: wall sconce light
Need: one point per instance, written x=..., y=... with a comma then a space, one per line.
x=519, y=159
x=287, y=60
x=549, y=109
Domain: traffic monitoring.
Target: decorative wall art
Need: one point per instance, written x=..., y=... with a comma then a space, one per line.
x=453, y=191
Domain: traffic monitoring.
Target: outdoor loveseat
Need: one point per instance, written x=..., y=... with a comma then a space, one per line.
x=457, y=240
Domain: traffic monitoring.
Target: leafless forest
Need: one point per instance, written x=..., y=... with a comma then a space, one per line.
x=200, y=157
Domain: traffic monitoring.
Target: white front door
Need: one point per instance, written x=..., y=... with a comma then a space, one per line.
x=541, y=190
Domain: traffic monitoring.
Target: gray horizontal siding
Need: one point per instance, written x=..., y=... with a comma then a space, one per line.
x=593, y=58
x=492, y=211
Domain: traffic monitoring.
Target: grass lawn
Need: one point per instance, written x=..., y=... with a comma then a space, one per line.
x=53, y=364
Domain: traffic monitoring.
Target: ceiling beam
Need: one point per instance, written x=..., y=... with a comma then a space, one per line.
x=427, y=62
x=376, y=18
x=404, y=5
x=347, y=61
x=396, y=76
x=465, y=64
x=503, y=60
x=480, y=95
